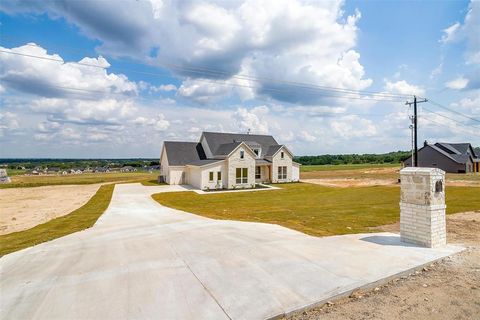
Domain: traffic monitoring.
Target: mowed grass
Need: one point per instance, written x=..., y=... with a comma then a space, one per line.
x=22, y=181
x=312, y=209
x=80, y=219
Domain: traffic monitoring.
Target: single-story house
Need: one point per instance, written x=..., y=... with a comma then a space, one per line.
x=450, y=157
x=101, y=169
x=128, y=169
x=227, y=161
x=76, y=171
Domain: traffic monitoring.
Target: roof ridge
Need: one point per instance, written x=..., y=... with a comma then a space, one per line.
x=236, y=133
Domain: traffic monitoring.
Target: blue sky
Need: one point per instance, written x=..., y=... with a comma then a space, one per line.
x=151, y=71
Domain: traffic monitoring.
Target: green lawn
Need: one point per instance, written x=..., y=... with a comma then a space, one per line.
x=312, y=209
x=22, y=181
x=14, y=172
x=80, y=219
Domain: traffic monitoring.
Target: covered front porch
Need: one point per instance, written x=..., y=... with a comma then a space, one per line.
x=263, y=171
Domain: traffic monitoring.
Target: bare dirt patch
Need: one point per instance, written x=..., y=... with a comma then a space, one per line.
x=24, y=208
x=449, y=289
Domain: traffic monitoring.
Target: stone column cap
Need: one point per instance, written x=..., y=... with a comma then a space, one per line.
x=421, y=171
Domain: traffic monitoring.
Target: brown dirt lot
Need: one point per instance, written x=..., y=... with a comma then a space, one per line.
x=376, y=177
x=24, y=208
x=448, y=289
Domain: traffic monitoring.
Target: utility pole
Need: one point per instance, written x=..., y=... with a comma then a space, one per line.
x=415, y=127
x=412, y=147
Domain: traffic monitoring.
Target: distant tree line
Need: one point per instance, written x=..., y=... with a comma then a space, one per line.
x=75, y=163
x=391, y=157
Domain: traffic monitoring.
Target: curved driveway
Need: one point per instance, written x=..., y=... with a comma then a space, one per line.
x=145, y=261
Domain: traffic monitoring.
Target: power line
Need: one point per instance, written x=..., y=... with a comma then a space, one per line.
x=195, y=69
x=82, y=91
x=451, y=128
x=221, y=83
x=453, y=111
x=228, y=84
x=444, y=116
x=211, y=72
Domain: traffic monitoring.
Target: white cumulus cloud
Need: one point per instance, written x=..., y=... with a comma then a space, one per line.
x=457, y=83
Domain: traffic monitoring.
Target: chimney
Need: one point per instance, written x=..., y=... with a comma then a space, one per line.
x=425, y=143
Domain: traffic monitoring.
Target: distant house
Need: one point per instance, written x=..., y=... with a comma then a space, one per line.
x=53, y=170
x=128, y=169
x=450, y=157
x=76, y=171
x=101, y=170
x=227, y=160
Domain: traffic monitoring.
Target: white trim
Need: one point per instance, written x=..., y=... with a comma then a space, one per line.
x=204, y=165
x=246, y=146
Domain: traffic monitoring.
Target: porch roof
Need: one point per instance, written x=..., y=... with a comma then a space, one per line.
x=259, y=162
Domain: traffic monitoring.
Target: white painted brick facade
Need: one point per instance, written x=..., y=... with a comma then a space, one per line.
x=422, y=207
x=278, y=161
x=234, y=162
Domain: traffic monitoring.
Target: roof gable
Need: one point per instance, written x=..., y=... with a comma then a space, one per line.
x=273, y=150
x=219, y=143
x=247, y=148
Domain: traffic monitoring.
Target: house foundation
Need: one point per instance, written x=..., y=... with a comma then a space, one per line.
x=422, y=207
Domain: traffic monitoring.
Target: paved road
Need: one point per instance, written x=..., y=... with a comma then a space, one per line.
x=145, y=261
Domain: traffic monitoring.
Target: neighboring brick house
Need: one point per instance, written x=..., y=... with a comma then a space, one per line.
x=227, y=161
x=450, y=157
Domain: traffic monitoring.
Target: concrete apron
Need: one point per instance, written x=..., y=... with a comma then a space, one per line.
x=145, y=261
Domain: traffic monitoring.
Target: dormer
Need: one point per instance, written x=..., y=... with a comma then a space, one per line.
x=256, y=148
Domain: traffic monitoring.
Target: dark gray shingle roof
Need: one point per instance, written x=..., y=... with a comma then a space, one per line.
x=457, y=157
x=216, y=139
x=182, y=153
x=225, y=149
x=272, y=150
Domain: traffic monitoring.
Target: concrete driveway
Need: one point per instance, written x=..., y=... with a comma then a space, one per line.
x=145, y=261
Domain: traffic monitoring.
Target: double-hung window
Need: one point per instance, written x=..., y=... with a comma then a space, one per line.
x=219, y=176
x=241, y=175
x=282, y=173
x=210, y=176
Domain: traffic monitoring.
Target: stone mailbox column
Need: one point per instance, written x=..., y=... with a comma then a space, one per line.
x=422, y=207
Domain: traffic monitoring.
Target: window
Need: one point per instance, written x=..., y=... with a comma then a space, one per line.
x=282, y=173
x=258, y=173
x=210, y=176
x=241, y=175
x=219, y=176
x=257, y=152
x=242, y=154
x=282, y=155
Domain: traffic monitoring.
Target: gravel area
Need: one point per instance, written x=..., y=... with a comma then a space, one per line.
x=448, y=289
